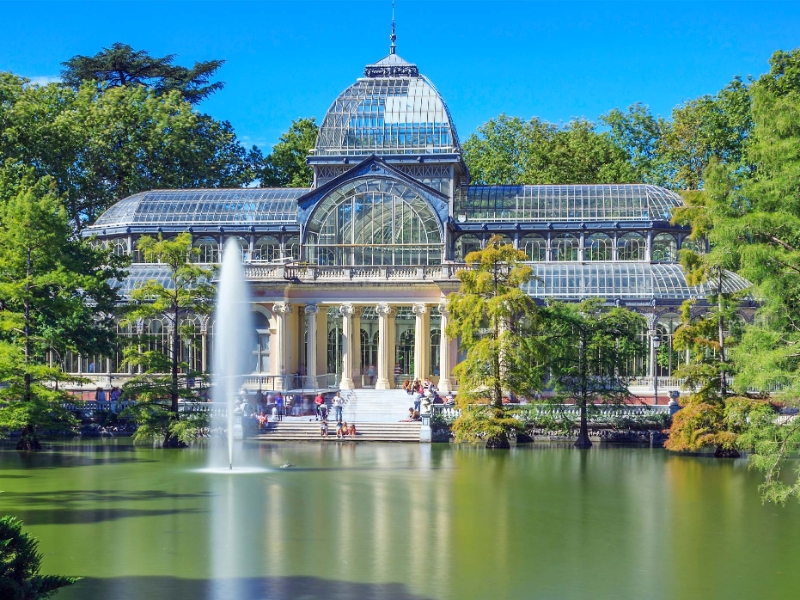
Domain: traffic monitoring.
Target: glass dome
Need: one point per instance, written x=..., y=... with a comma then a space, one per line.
x=392, y=110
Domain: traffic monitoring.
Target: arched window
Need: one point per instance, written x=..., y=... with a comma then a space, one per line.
x=665, y=248
x=119, y=246
x=208, y=250
x=631, y=246
x=598, y=247
x=335, y=350
x=374, y=222
x=565, y=247
x=465, y=244
x=267, y=249
x=535, y=247
x=698, y=245
x=292, y=247
x=405, y=352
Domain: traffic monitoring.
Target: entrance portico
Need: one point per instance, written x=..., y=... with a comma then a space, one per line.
x=405, y=340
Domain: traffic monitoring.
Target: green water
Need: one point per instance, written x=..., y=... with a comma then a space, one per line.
x=402, y=522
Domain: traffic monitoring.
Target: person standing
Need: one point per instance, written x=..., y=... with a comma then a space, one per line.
x=279, y=405
x=338, y=404
x=417, y=399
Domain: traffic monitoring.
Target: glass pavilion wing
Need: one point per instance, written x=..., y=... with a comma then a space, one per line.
x=387, y=115
x=205, y=207
x=611, y=280
x=543, y=203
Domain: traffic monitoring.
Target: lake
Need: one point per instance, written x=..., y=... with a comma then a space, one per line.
x=402, y=522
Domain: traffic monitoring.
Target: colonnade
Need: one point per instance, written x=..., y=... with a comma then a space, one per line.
x=315, y=342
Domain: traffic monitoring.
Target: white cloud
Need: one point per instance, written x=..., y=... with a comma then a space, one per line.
x=44, y=79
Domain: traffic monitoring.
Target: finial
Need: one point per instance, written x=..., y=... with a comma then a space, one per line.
x=392, y=37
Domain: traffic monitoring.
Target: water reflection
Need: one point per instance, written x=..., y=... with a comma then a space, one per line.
x=406, y=522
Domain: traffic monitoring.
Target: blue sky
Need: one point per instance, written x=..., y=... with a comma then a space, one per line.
x=552, y=60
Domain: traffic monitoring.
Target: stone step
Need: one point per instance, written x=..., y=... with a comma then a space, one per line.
x=387, y=432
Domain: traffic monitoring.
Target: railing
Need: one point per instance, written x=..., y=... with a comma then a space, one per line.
x=298, y=383
x=373, y=273
x=598, y=412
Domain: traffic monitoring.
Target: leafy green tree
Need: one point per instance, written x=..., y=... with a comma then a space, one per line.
x=588, y=345
x=705, y=129
x=99, y=146
x=121, y=65
x=20, y=562
x=755, y=218
x=55, y=297
x=286, y=165
x=494, y=319
x=165, y=378
x=638, y=132
x=509, y=150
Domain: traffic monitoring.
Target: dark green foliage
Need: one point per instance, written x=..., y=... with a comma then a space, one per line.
x=55, y=297
x=20, y=562
x=121, y=65
x=588, y=345
x=165, y=379
x=99, y=146
x=286, y=165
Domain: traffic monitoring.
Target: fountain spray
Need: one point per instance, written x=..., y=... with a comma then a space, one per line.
x=233, y=338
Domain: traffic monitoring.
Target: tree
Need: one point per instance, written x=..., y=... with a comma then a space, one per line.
x=165, y=379
x=121, y=65
x=99, y=146
x=509, y=150
x=55, y=296
x=286, y=165
x=756, y=218
x=705, y=129
x=493, y=317
x=20, y=562
x=588, y=346
x=638, y=132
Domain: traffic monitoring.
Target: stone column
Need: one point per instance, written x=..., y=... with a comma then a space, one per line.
x=444, y=353
x=282, y=310
x=391, y=340
x=204, y=343
x=347, y=346
x=383, y=381
x=356, y=347
x=311, y=345
x=322, y=340
x=421, y=340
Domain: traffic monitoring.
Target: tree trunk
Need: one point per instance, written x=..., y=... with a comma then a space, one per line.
x=721, y=452
x=723, y=385
x=171, y=441
x=28, y=440
x=583, y=442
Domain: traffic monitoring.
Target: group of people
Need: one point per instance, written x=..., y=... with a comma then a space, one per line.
x=342, y=428
x=113, y=396
x=424, y=392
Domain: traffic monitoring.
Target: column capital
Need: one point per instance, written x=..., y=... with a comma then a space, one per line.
x=419, y=309
x=383, y=309
x=282, y=307
x=311, y=309
x=346, y=310
x=443, y=308
x=139, y=326
x=205, y=320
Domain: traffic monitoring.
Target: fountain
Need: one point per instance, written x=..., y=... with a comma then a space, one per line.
x=233, y=335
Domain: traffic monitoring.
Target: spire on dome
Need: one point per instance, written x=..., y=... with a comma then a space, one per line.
x=393, y=37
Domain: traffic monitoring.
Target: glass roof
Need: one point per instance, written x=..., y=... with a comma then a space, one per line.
x=636, y=202
x=624, y=280
x=245, y=206
x=391, y=111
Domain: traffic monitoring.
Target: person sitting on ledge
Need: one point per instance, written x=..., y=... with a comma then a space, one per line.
x=407, y=385
x=339, y=430
x=323, y=428
x=351, y=429
x=413, y=415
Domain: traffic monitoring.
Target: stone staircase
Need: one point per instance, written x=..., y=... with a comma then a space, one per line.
x=375, y=406
x=296, y=429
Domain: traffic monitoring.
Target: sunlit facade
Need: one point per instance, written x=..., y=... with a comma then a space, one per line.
x=349, y=277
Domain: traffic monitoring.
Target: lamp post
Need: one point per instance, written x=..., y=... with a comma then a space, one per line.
x=656, y=343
